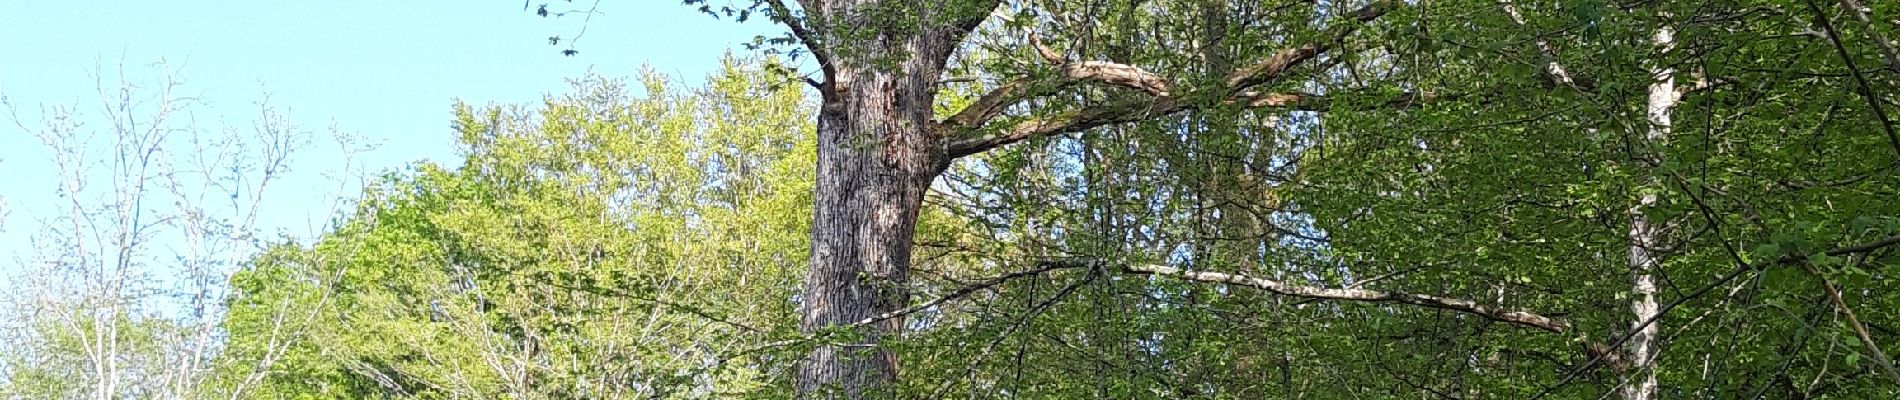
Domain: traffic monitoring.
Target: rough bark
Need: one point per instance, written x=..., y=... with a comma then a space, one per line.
x=874, y=167
x=875, y=162
x=877, y=156
x=879, y=150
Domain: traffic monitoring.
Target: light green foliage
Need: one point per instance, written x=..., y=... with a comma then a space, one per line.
x=599, y=246
x=606, y=245
x=1512, y=190
x=1524, y=195
x=53, y=364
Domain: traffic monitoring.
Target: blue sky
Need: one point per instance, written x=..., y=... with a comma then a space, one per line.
x=385, y=70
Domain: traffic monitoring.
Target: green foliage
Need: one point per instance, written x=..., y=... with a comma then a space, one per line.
x=599, y=246
x=1514, y=192
x=56, y=366
x=606, y=245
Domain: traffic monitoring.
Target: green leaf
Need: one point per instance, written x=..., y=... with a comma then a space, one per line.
x=1765, y=251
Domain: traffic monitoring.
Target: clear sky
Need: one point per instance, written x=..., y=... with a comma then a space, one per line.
x=386, y=70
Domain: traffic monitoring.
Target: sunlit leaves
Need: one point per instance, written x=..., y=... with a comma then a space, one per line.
x=612, y=244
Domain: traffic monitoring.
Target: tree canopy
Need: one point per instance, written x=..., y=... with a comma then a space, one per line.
x=1203, y=199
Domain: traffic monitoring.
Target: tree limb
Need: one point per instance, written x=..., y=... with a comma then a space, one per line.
x=1886, y=47
x=1860, y=330
x=1149, y=108
x=803, y=33
x=1112, y=73
x=991, y=104
x=1045, y=266
x=1740, y=268
x=1162, y=99
x=1273, y=67
x=1524, y=318
x=1065, y=122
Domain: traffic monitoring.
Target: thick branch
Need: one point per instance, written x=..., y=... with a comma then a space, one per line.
x=1273, y=67
x=1070, y=121
x=1161, y=101
x=1112, y=73
x=1310, y=102
x=1128, y=76
x=1524, y=318
x=1311, y=292
x=992, y=104
x=1047, y=54
x=1155, y=107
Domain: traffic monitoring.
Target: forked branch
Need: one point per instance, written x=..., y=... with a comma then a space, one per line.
x=1162, y=97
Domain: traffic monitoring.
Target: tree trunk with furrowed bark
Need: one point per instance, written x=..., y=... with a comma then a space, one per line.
x=875, y=162
x=880, y=147
x=877, y=156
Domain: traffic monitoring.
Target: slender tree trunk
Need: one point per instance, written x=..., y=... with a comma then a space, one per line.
x=877, y=157
x=1644, y=232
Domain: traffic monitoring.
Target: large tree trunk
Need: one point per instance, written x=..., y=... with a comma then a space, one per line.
x=877, y=157
x=875, y=161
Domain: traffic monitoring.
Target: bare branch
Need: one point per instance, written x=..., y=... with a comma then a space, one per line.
x=1045, y=266
x=1860, y=330
x=1155, y=107
x=1123, y=75
x=784, y=16
x=1112, y=73
x=1071, y=121
x=1273, y=67
x=1524, y=318
x=989, y=105
x=1047, y=55
x=1161, y=98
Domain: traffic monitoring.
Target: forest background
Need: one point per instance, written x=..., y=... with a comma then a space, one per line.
x=971, y=198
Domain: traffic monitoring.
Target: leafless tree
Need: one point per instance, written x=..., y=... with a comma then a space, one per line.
x=122, y=295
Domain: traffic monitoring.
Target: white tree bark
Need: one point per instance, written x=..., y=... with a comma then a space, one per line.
x=1643, y=231
x=156, y=214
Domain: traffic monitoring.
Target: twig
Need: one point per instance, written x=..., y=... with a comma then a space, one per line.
x=1467, y=306
x=1860, y=330
x=1886, y=47
x=1731, y=275
x=1866, y=91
